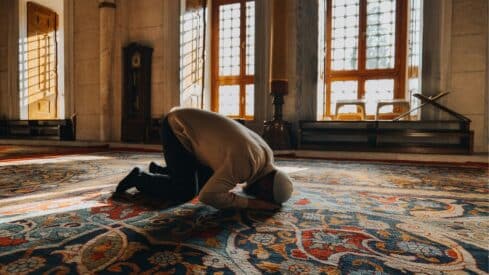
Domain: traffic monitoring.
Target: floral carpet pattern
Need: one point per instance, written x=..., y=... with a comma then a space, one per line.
x=57, y=216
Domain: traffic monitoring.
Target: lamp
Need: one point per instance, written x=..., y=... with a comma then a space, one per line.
x=277, y=131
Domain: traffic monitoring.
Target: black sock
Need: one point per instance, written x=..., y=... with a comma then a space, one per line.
x=157, y=169
x=129, y=181
x=154, y=185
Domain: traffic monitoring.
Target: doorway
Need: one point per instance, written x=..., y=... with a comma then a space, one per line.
x=42, y=59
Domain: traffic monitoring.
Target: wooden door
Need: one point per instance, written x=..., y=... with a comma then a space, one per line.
x=42, y=24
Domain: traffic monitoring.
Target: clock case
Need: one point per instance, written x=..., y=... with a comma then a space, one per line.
x=136, y=94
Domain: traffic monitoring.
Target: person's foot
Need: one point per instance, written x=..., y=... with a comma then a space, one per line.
x=156, y=169
x=129, y=181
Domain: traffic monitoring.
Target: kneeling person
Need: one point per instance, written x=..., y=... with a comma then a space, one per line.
x=208, y=154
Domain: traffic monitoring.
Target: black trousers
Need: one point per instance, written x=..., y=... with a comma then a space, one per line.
x=186, y=175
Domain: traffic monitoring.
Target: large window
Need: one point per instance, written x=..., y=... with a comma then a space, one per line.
x=414, y=54
x=366, y=44
x=192, y=24
x=233, y=58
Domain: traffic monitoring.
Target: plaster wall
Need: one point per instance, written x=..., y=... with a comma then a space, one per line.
x=153, y=23
x=86, y=66
x=469, y=66
x=302, y=45
x=4, y=106
x=145, y=26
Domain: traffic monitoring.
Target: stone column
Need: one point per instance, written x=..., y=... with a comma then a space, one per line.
x=13, y=60
x=107, y=42
x=171, y=55
x=437, y=19
x=306, y=66
x=263, y=35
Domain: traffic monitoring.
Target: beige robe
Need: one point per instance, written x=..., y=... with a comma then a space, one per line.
x=234, y=152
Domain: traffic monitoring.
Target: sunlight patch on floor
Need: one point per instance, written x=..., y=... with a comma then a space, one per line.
x=291, y=169
x=56, y=159
x=30, y=209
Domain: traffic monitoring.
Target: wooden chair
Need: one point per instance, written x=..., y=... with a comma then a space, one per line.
x=359, y=115
x=399, y=106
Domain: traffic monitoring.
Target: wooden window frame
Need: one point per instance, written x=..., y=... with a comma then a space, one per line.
x=398, y=73
x=242, y=79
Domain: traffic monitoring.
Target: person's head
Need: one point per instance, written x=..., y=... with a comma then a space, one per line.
x=275, y=187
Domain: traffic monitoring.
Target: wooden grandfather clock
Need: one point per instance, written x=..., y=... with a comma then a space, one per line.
x=136, y=95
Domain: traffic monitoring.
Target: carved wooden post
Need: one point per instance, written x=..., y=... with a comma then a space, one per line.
x=107, y=41
x=277, y=131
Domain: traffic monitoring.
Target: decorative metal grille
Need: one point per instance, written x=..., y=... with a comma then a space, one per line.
x=229, y=100
x=250, y=100
x=344, y=55
x=378, y=89
x=381, y=34
x=250, y=38
x=233, y=94
x=229, y=39
x=191, y=63
x=341, y=90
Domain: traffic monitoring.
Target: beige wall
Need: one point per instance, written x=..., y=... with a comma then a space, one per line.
x=3, y=58
x=153, y=23
x=468, y=65
x=86, y=66
x=455, y=54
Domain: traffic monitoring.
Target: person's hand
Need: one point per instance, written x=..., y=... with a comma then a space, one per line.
x=262, y=205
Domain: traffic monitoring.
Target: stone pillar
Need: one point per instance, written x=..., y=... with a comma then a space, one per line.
x=171, y=55
x=437, y=16
x=306, y=66
x=263, y=31
x=107, y=42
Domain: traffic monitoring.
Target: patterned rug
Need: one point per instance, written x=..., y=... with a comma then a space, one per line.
x=57, y=216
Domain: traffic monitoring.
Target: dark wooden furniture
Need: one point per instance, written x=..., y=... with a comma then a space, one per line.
x=62, y=129
x=136, y=95
x=432, y=136
x=389, y=136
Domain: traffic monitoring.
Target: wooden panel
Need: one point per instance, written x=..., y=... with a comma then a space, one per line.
x=42, y=24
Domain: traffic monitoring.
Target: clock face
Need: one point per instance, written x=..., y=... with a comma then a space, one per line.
x=136, y=60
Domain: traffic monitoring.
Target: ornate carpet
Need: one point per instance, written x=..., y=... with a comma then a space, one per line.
x=57, y=216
